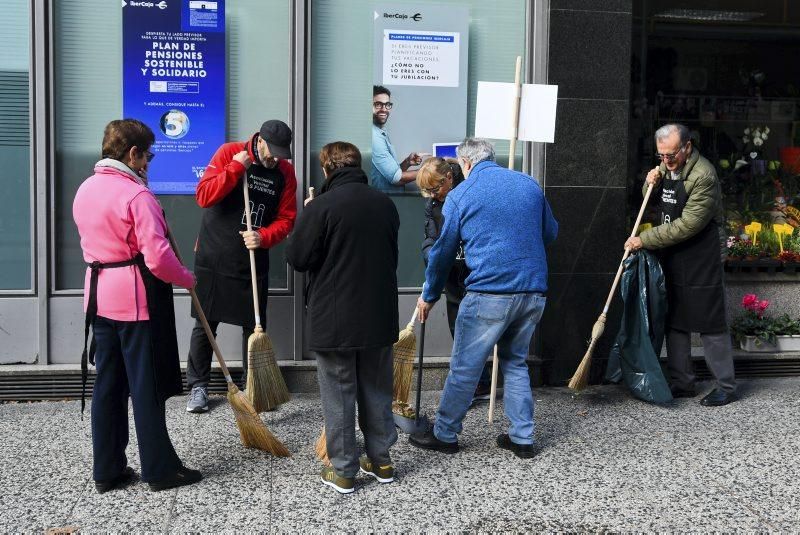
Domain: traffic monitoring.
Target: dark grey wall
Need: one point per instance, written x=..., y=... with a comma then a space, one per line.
x=586, y=168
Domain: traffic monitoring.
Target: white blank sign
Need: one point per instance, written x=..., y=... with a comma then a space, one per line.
x=494, y=117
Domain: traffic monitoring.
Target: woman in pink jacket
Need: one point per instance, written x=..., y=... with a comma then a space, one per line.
x=128, y=303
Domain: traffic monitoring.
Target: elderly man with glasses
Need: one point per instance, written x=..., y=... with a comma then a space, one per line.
x=504, y=223
x=690, y=242
x=386, y=173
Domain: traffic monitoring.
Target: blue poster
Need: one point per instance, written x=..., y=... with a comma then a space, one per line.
x=174, y=81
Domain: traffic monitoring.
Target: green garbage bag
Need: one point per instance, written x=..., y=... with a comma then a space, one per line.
x=634, y=355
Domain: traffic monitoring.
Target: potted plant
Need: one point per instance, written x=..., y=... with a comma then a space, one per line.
x=742, y=249
x=755, y=331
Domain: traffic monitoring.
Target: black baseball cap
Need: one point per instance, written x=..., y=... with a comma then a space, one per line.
x=278, y=136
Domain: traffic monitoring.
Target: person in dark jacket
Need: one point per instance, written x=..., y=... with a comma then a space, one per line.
x=222, y=261
x=435, y=179
x=346, y=239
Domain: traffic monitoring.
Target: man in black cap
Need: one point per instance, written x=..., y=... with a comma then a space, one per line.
x=222, y=263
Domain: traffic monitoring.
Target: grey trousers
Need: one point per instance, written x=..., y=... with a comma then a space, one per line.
x=366, y=377
x=718, y=355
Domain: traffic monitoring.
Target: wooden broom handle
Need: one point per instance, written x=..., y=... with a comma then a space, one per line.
x=200, y=314
x=512, y=150
x=512, y=145
x=248, y=217
x=627, y=251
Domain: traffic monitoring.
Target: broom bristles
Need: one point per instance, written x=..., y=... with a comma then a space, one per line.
x=403, y=363
x=580, y=379
x=265, y=387
x=321, y=448
x=254, y=433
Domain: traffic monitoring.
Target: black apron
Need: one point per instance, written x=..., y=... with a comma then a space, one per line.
x=692, y=270
x=222, y=262
x=163, y=339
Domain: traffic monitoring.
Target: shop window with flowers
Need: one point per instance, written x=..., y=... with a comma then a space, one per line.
x=762, y=200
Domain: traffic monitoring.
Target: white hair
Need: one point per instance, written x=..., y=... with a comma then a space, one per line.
x=475, y=150
x=668, y=129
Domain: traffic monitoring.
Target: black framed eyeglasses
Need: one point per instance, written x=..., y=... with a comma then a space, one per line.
x=384, y=105
x=671, y=157
x=149, y=155
x=433, y=191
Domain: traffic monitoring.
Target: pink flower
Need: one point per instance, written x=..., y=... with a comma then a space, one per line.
x=762, y=305
x=749, y=301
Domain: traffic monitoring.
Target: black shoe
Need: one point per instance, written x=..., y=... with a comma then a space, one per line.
x=523, y=451
x=428, y=441
x=683, y=393
x=482, y=393
x=718, y=398
x=184, y=476
x=123, y=480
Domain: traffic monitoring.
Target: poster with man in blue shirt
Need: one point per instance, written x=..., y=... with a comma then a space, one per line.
x=387, y=174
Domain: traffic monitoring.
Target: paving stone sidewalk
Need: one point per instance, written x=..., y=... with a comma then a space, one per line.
x=606, y=463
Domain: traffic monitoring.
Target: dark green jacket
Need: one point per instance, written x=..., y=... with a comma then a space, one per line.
x=704, y=205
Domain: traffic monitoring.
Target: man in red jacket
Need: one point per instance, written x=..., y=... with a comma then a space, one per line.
x=222, y=262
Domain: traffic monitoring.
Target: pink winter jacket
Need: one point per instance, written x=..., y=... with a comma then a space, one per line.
x=118, y=217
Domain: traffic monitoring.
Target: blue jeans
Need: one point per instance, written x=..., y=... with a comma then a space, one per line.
x=484, y=320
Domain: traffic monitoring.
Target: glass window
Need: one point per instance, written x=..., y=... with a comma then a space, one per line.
x=89, y=95
x=730, y=80
x=341, y=91
x=15, y=146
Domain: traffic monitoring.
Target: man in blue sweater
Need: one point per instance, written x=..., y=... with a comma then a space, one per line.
x=504, y=223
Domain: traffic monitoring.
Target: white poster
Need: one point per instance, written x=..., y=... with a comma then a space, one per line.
x=420, y=58
x=494, y=117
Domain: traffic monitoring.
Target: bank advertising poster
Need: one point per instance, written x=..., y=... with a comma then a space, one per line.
x=174, y=81
x=421, y=56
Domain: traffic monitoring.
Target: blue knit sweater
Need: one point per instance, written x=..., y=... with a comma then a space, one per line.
x=505, y=222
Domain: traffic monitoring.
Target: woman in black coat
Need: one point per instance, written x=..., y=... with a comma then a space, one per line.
x=346, y=239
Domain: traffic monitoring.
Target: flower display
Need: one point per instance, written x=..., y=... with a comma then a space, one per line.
x=755, y=322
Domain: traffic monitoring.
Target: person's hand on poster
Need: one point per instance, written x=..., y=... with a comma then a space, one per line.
x=410, y=161
x=243, y=158
x=252, y=238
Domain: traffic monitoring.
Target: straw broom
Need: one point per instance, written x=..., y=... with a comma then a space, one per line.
x=321, y=448
x=580, y=379
x=252, y=431
x=403, y=366
x=265, y=386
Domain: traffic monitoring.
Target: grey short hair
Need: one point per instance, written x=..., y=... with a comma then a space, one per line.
x=668, y=129
x=475, y=150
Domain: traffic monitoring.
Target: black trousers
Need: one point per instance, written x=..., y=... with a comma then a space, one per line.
x=124, y=364
x=198, y=367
